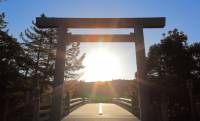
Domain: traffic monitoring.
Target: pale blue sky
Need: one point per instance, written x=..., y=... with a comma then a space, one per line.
x=181, y=14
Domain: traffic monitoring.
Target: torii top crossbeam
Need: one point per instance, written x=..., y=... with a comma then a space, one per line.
x=154, y=22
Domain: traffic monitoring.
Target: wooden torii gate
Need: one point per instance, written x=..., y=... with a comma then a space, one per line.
x=64, y=38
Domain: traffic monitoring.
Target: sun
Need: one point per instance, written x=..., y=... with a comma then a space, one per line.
x=101, y=65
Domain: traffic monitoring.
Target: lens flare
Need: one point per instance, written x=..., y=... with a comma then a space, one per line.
x=101, y=65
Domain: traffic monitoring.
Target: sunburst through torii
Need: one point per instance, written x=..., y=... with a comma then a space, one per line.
x=65, y=23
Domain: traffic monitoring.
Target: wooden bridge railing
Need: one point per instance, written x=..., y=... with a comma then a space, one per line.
x=128, y=104
x=68, y=106
x=45, y=112
x=73, y=104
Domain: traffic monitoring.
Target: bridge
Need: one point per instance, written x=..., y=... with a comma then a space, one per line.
x=100, y=111
x=81, y=109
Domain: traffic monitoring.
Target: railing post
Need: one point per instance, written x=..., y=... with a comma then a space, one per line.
x=67, y=103
x=132, y=102
x=36, y=104
x=83, y=100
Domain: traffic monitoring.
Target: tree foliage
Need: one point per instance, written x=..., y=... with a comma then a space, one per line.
x=28, y=68
x=194, y=51
x=41, y=45
x=3, y=23
x=171, y=64
x=13, y=84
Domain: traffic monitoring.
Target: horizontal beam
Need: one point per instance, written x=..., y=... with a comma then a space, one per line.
x=101, y=38
x=154, y=22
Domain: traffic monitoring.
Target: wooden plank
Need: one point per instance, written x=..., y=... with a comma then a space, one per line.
x=45, y=111
x=126, y=104
x=101, y=38
x=75, y=103
x=45, y=118
x=76, y=99
x=51, y=22
x=125, y=100
x=45, y=106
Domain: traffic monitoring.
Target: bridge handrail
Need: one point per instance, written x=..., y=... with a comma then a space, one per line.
x=73, y=104
x=45, y=109
x=123, y=101
x=44, y=112
x=128, y=104
x=75, y=100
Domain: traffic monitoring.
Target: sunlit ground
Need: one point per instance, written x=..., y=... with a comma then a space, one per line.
x=100, y=91
x=101, y=65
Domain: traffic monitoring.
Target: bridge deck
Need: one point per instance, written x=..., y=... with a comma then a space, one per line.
x=92, y=112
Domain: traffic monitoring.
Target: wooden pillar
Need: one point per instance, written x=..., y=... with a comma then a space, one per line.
x=59, y=75
x=36, y=102
x=68, y=103
x=144, y=97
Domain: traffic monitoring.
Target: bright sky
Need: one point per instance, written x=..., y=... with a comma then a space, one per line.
x=181, y=14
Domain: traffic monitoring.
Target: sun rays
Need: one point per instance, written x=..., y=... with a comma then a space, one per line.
x=101, y=65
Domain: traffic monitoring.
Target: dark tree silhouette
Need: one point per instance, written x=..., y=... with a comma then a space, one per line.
x=169, y=67
x=13, y=84
x=3, y=23
x=194, y=50
x=27, y=69
x=40, y=44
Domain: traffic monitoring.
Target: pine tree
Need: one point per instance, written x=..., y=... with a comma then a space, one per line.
x=40, y=44
x=2, y=21
x=194, y=51
x=169, y=69
x=13, y=84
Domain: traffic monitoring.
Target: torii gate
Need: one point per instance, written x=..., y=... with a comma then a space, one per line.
x=62, y=24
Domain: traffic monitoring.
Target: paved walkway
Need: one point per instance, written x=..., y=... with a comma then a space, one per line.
x=100, y=112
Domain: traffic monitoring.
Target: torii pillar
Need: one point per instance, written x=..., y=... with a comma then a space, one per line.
x=59, y=74
x=144, y=97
